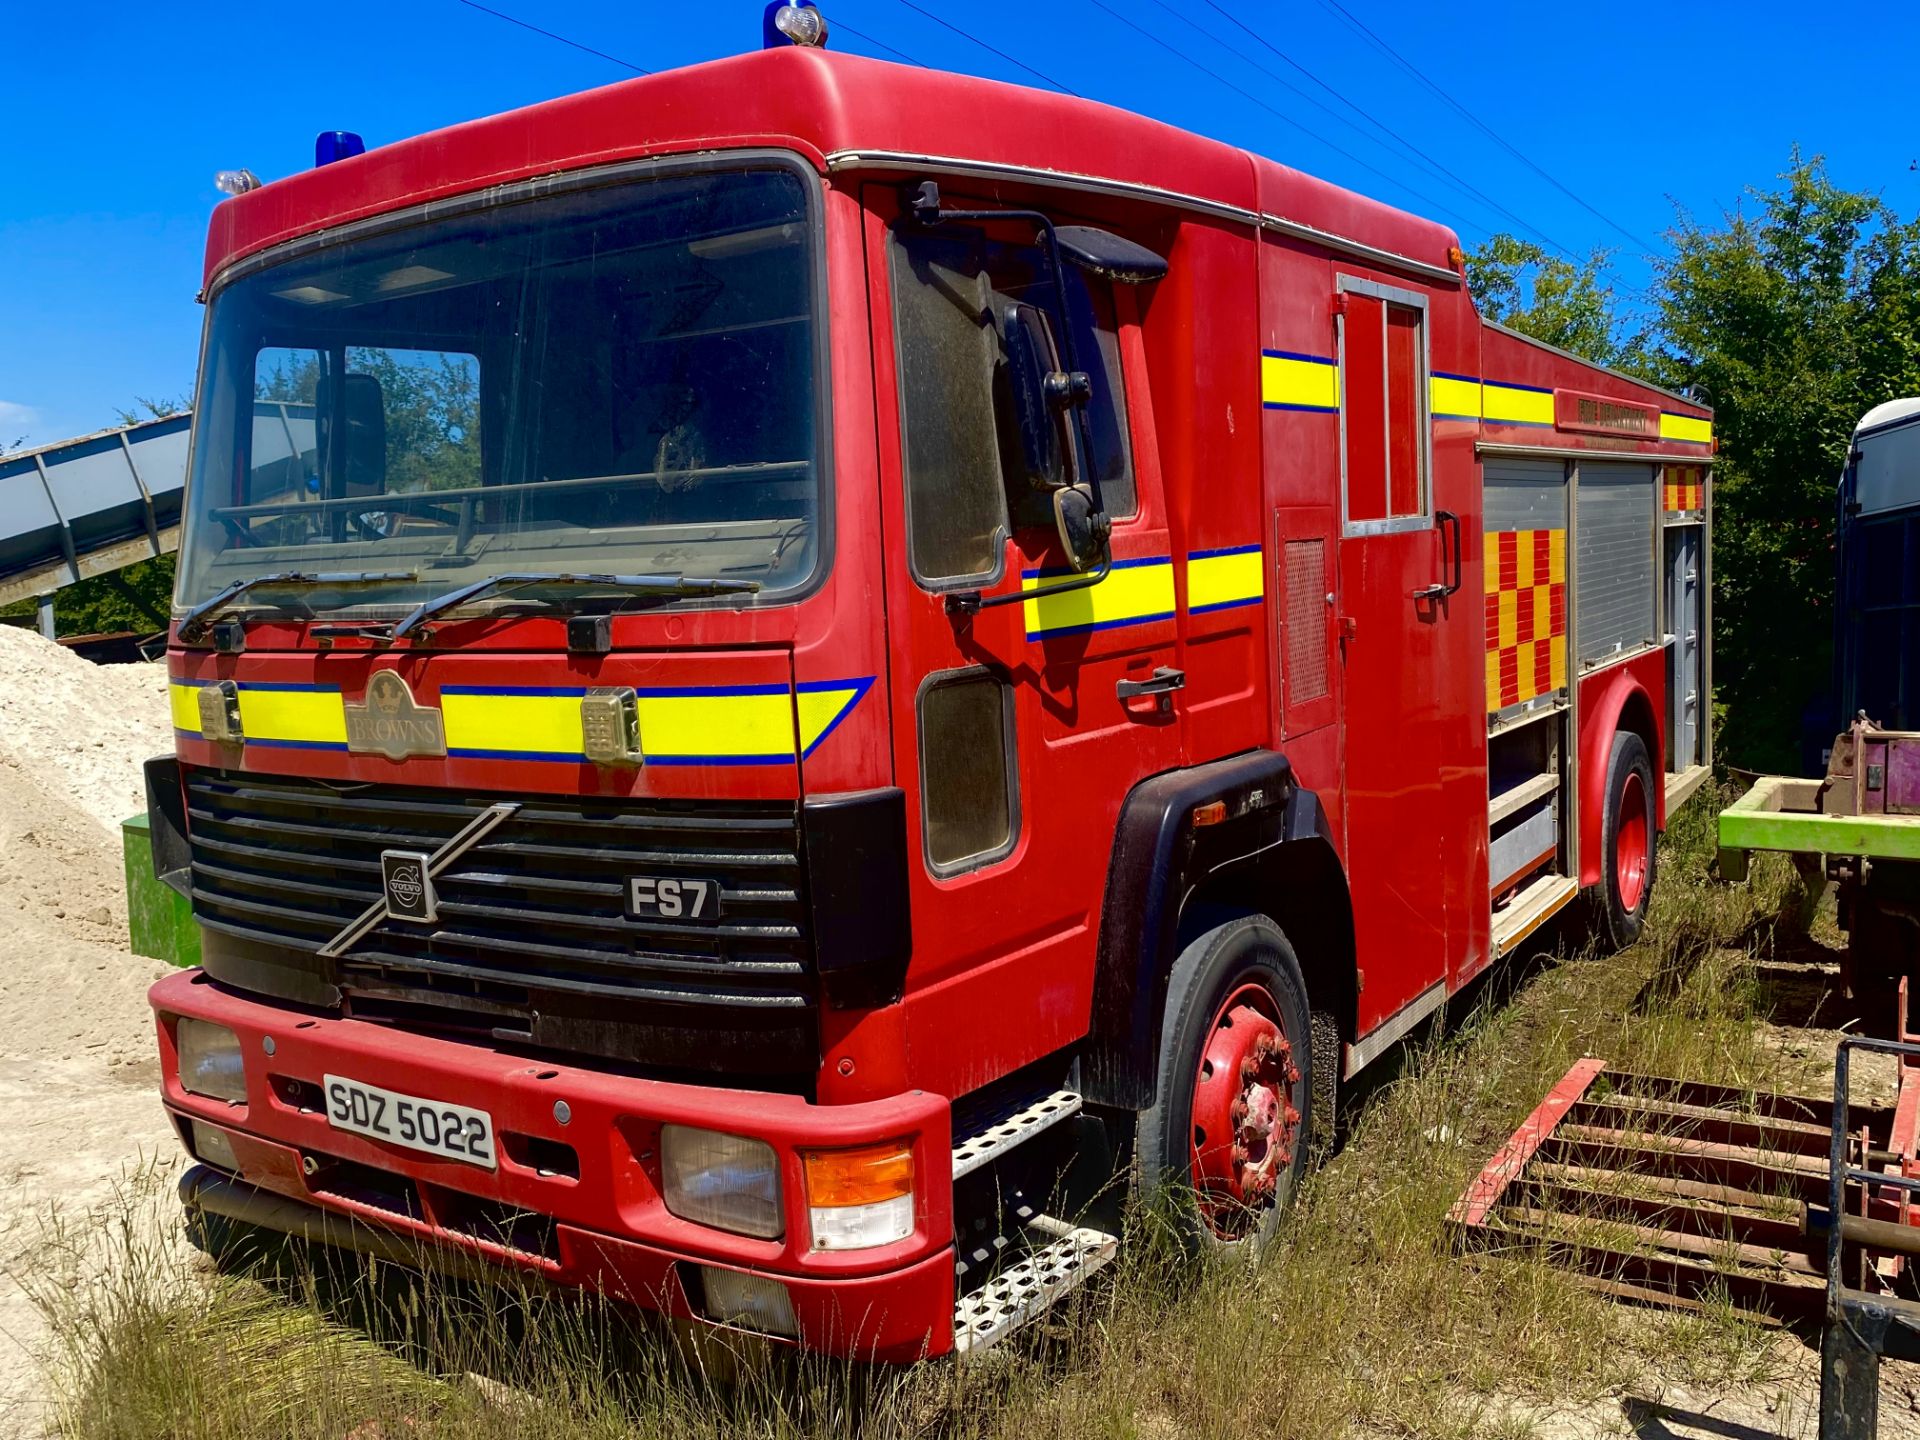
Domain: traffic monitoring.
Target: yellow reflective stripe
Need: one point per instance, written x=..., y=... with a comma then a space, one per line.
x=1686, y=427
x=1452, y=398
x=1134, y=592
x=305, y=717
x=1299, y=382
x=529, y=723
x=1513, y=405
x=184, y=701
x=1556, y=557
x=719, y=725
x=295, y=715
x=1216, y=579
x=685, y=728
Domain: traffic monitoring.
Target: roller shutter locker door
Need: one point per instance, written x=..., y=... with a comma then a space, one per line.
x=1613, y=573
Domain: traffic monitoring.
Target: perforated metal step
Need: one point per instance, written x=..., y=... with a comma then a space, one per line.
x=1024, y=1290
x=995, y=1140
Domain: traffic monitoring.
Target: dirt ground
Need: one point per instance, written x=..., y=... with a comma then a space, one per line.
x=77, y=1069
x=79, y=1114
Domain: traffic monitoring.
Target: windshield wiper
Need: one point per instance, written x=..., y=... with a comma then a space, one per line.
x=200, y=616
x=643, y=584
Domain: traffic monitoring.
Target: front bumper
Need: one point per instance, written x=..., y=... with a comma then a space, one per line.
x=576, y=1202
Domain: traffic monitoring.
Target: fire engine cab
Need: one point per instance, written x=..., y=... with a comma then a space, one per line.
x=786, y=672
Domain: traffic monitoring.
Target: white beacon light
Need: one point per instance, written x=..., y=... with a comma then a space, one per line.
x=236, y=182
x=802, y=24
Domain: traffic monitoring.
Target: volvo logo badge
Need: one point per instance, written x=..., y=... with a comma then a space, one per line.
x=388, y=722
x=408, y=885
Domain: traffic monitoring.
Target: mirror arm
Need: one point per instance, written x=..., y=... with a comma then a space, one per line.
x=970, y=602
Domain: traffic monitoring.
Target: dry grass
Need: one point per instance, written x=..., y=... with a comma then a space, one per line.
x=1361, y=1320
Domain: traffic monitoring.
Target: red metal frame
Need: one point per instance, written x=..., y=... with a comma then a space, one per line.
x=614, y=1229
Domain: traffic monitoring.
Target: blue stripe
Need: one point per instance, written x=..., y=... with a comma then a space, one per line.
x=559, y=690
x=1530, y=425
x=280, y=685
x=565, y=757
x=1463, y=379
x=657, y=760
x=1448, y=415
x=253, y=744
x=1059, y=571
x=1054, y=630
x=1511, y=385
x=1289, y=405
x=1193, y=555
x=1295, y=355
x=1224, y=605
x=704, y=692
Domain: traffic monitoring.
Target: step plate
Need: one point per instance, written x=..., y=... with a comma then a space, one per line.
x=1020, y=1292
x=997, y=1139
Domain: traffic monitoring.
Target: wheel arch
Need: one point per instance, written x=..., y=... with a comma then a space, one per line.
x=1270, y=853
x=1623, y=704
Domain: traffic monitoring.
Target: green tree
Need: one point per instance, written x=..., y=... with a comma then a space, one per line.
x=1570, y=305
x=1792, y=315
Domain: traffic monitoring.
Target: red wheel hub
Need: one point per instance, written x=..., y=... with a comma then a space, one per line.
x=1631, y=843
x=1245, y=1124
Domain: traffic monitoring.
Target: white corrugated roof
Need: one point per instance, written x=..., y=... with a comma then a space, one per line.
x=1890, y=411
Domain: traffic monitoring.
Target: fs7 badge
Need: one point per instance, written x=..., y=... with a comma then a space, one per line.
x=655, y=897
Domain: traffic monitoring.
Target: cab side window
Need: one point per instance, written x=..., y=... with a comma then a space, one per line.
x=1383, y=405
x=949, y=288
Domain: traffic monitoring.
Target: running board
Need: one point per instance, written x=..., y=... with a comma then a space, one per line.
x=1029, y=1288
x=1010, y=1131
x=1531, y=909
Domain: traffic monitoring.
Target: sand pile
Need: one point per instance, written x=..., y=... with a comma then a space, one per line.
x=78, y=1073
x=77, y=730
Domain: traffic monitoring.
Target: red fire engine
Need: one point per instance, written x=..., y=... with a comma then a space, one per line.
x=787, y=669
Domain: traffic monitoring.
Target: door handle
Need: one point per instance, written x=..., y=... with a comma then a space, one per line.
x=1163, y=681
x=1444, y=521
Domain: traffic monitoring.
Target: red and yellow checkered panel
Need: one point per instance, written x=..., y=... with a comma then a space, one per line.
x=1684, y=488
x=1526, y=615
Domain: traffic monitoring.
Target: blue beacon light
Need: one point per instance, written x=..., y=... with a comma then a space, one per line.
x=332, y=145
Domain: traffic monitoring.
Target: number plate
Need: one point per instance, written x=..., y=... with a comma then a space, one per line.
x=453, y=1132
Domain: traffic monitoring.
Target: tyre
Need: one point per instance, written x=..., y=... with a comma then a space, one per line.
x=1226, y=1139
x=1626, y=843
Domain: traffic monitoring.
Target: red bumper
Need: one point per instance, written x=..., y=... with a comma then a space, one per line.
x=595, y=1177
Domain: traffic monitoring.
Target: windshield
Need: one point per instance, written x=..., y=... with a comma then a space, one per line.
x=620, y=379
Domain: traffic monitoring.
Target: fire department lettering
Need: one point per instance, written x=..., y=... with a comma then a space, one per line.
x=389, y=722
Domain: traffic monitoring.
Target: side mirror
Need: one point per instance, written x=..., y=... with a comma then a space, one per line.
x=364, y=442
x=1082, y=529
x=1032, y=417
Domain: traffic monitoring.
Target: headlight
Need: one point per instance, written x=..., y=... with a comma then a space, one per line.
x=210, y=1061
x=213, y=1145
x=726, y=1181
x=857, y=1199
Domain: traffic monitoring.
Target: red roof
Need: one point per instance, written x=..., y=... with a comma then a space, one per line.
x=820, y=104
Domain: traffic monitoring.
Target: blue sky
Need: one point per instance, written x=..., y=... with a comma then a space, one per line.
x=117, y=116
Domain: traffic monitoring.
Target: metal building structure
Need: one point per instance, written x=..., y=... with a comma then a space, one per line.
x=88, y=506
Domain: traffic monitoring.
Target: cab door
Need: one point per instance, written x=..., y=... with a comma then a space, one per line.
x=1018, y=727
x=1399, y=556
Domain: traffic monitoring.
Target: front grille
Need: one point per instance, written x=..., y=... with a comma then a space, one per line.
x=532, y=937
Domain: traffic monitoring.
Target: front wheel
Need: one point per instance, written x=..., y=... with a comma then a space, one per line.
x=1227, y=1135
x=1627, y=843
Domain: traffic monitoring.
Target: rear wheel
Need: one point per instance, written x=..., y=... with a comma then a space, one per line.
x=1627, y=842
x=1228, y=1132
